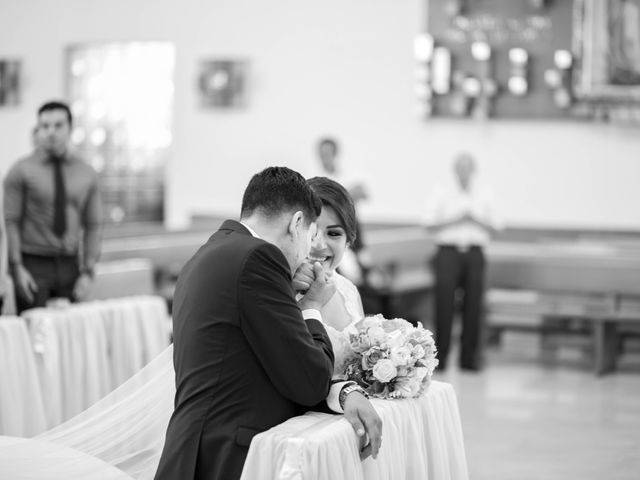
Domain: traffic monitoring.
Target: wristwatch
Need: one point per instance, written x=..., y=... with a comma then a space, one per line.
x=349, y=388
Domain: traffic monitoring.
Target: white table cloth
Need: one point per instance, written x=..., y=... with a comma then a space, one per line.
x=138, y=330
x=422, y=439
x=26, y=459
x=21, y=405
x=83, y=351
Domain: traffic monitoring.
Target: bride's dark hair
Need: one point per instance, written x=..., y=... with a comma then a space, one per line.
x=334, y=195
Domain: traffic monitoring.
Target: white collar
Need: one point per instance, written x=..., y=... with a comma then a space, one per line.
x=251, y=230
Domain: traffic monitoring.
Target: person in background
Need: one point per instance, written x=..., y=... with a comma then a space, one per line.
x=356, y=262
x=3, y=257
x=328, y=153
x=53, y=214
x=462, y=218
x=35, y=137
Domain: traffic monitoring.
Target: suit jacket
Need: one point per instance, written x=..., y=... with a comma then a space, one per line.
x=245, y=359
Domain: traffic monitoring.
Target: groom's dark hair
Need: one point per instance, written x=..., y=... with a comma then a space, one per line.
x=276, y=190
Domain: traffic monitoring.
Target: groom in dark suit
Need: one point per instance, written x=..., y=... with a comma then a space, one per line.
x=247, y=356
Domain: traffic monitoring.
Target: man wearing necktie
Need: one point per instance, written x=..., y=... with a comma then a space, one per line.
x=53, y=214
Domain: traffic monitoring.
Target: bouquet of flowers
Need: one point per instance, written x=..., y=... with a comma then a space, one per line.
x=391, y=358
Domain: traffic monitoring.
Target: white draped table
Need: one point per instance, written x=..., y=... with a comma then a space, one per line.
x=83, y=351
x=21, y=402
x=422, y=440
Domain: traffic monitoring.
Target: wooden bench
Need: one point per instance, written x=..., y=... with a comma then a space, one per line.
x=399, y=259
x=123, y=278
x=403, y=257
x=400, y=272
x=588, y=281
x=168, y=250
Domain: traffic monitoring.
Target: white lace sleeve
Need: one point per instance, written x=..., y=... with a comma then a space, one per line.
x=340, y=338
x=341, y=350
x=349, y=293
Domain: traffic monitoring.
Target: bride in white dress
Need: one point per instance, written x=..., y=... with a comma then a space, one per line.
x=336, y=232
x=126, y=429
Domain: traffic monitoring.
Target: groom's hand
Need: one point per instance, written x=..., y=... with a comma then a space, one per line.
x=320, y=291
x=303, y=278
x=366, y=422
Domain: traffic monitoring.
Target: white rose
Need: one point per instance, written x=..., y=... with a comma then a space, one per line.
x=375, y=321
x=384, y=370
x=400, y=356
x=418, y=351
x=377, y=335
x=396, y=339
x=397, y=324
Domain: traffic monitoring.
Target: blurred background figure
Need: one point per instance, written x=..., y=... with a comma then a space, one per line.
x=355, y=264
x=53, y=215
x=3, y=258
x=462, y=218
x=35, y=138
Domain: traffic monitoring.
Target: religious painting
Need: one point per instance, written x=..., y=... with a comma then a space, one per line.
x=607, y=44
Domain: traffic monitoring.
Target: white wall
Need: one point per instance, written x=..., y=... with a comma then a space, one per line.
x=333, y=67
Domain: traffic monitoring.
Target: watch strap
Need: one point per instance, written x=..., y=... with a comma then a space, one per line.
x=350, y=388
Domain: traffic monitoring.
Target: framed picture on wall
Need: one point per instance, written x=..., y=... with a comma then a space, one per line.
x=222, y=83
x=9, y=82
x=607, y=45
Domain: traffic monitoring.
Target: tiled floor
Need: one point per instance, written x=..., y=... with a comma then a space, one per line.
x=527, y=418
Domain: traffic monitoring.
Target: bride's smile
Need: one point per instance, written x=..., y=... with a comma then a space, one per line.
x=330, y=242
x=325, y=261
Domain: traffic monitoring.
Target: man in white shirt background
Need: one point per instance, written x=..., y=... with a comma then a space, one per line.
x=462, y=219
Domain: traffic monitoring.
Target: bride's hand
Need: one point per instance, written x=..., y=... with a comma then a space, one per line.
x=303, y=278
x=320, y=291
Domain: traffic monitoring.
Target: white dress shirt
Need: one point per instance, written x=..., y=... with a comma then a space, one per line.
x=449, y=204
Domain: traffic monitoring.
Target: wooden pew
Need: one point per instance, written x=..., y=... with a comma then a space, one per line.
x=123, y=278
x=403, y=256
x=168, y=250
x=599, y=282
x=399, y=256
x=589, y=281
x=400, y=275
